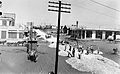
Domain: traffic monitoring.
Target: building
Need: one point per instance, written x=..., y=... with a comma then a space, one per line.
x=8, y=29
x=89, y=33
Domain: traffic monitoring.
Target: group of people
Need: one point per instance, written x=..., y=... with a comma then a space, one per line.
x=115, y=51
x=32, y=53
x=77, y=51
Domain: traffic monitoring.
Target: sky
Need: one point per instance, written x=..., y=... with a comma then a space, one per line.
x=86, y=12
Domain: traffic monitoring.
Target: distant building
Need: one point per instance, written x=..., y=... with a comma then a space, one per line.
x=54, y=26
x=48, y=27
x=8, y=29
x=89, y=33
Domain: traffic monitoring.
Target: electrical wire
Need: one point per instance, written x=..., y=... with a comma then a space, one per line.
x=95, y=11
x=105, y=6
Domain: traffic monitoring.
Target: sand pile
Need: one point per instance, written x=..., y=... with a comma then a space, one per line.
x=63, y=53
x=53, y=45
x=94, y=63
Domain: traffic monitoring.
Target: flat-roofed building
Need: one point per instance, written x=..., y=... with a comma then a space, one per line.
x=90, y=33
x=8, y=29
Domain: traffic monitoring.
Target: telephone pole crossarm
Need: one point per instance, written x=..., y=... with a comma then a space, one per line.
x=58, y=7
x=58, y=11
x=58, y=3
x=53, y=2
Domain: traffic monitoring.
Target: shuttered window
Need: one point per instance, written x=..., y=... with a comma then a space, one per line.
x=12, y=35
x=4, y=22
x=3, y=34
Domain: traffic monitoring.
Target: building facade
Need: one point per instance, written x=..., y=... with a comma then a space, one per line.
x=94, y=33
x=8, y=29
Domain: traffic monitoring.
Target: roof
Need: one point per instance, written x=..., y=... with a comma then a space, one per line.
x=6, y=18
x=95, y=29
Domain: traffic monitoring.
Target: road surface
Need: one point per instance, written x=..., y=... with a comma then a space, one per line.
x=13, y=60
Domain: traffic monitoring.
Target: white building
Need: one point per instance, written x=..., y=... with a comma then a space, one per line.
x=89, y=33
x=8, y=29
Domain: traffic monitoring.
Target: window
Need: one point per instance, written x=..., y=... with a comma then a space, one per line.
x=88, y=34
x=99, y=34
x=3, y=34
x=20, y=35
x=4, y=22
x=12, y=35
x=0, y=22
x=11, y=23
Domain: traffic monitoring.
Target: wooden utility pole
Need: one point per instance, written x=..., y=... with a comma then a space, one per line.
x=31, y=34
x=76, y=24
x=58, y=30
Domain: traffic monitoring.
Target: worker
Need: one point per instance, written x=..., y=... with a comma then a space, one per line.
x=115, y=50
x=90, y=49
x=32, y=56
x=69, y=51
x=73, y=52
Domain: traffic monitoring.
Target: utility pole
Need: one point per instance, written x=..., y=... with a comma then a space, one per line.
x=60, y=7
x=31, y=34
x=31, y=31
x=77, y=24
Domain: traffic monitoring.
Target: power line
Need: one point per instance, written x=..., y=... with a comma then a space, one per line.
x=96, y=12
x=105, y=5
x=92, y=10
